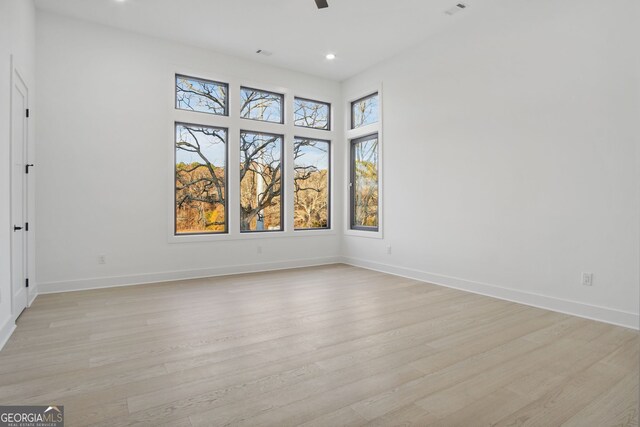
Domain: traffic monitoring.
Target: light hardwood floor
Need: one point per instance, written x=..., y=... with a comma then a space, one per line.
x=323, y=346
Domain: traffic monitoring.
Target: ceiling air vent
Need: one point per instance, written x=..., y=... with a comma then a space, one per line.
x=455, y=9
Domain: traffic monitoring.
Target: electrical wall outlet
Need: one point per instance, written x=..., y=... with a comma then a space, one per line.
x=389, y=249
x=259, y=249
x=102, y=259
x=587, y=279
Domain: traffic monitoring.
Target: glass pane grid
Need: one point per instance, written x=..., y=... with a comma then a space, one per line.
x=201, y=155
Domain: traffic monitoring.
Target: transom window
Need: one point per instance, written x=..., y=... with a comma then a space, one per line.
x=204, y=96
x=312, y=114
x=261, y=105
x=364, y=111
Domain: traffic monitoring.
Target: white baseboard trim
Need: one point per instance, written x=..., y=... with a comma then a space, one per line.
x=32, y=298
x=167, y=276
x=10, y=325
x=602, y=314
x=5, y=332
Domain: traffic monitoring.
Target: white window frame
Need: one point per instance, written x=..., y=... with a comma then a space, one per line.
x=234, y=123
x=350, y=135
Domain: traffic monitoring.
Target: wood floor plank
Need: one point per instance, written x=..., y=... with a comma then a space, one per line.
x=321, y=346
x=235, y=398
x=559, y=404
x=411, y=392
x=454, y=398
x=484, y=411
x=362, y=350
x=343, y=417
x=410, y=415
x=291, y=410
x=617, y=406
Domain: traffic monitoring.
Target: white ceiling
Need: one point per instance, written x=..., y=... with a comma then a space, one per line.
x=360, y=32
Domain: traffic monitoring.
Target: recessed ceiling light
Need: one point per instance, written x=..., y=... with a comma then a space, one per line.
x=331, y=56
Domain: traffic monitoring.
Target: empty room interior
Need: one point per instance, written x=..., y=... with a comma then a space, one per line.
x=319, y=213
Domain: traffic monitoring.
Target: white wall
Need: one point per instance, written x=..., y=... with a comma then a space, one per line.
x=510, y=148
x=523, y=120
x=105, y=133
x=5, y=195
x=17, y=38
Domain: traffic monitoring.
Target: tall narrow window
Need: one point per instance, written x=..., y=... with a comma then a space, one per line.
x=260, y=182
x=261, y=105
x=201, y=179
x=204, y=96
x=364, y=111
x=311, y=114
x=311, y=183
x=364, y=183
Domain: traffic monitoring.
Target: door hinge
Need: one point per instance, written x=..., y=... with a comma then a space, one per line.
x=26, y=283
x=26, y=226
x=27, y=113
x=26, y=168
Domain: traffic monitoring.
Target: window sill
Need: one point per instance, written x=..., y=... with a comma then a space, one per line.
x=364, y=233
x=201, y=238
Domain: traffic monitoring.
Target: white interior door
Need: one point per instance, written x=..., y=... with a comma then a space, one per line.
x=19, y=138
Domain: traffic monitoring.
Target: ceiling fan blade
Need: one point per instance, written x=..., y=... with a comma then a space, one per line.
x=322, y=4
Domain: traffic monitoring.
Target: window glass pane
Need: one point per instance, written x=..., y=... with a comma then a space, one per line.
x=364, y=111
x=200, y=95
x=311, y=114
x=311, y=183
x=260, y=181
x=261, y=105
x=201, y=175
x=364, y=182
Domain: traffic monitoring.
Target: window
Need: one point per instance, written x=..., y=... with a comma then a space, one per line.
x=200, y=179
x=364, y=111
x=365, y=166
x=204, y=96
x=212, y=142
x=364, y=183
x=260, y=182
x=261, y=105
x=312, y=114
x=311, y=183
